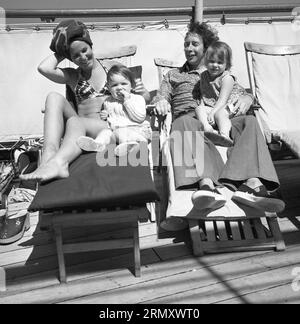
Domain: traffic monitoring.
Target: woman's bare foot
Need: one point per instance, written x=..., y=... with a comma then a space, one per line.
x=52, y=169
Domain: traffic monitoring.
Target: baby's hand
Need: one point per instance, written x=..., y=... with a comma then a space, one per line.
x=124, y=94
x=103, y=114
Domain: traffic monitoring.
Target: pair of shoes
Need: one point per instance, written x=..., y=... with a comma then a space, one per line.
x=126, y=148
x=207, y=198
x=258, y=198
x=219, y=139
x=12, y=229
x=88, y=144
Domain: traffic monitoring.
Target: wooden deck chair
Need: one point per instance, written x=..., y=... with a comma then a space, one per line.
x=105, y=202
x=274, y=80
x=227, y=229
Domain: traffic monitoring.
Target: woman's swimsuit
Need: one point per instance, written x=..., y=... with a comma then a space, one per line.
x=84, y=90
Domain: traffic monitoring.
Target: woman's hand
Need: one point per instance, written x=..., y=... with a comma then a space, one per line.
x=139, y=87
x=103, y=114
x=242, y=105
x=163, y=107
x=141, y=90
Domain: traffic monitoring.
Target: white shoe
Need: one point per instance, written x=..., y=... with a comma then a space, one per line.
x=208, y=199
x=125, y=148
x=88, y=144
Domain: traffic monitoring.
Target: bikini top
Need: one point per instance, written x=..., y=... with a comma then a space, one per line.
x=84, y=90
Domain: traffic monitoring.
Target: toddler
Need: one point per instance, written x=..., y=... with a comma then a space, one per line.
x=125, y=113
x=219, y=91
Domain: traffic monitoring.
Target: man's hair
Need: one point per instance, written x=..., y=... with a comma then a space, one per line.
x=124, y=71
x=220, y=50
x=207, y=33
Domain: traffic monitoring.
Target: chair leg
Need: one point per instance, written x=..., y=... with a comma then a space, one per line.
x=196, y=237
x=60, y=254
x=275, y=230
x=136, y=247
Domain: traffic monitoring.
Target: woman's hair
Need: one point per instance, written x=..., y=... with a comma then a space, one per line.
x=221, y=51
x=66, y=32
x=124, y=71
x=207, y=33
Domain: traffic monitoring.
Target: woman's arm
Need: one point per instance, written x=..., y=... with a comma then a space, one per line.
x=49, y=68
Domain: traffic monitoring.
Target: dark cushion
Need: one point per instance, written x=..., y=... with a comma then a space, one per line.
x=90, y=186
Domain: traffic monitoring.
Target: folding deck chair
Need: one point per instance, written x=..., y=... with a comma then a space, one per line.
x=274, y=79
x=230, y=228
x=94, y=195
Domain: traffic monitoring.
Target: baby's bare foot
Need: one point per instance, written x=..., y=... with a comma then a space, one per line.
x=89, y=144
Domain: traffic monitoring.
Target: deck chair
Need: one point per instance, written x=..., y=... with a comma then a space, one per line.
x=274, y=79
x=230, y=228
x=93, y=195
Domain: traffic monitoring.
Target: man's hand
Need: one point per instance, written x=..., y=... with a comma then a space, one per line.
x=211, y=118
x=163, y=107
x=242, y=105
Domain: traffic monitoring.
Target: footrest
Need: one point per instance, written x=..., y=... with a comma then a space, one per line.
x=245, y=234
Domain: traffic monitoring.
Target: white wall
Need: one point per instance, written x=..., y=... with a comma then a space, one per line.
x=23, y=90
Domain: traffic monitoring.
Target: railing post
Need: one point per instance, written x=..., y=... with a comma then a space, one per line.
x=198, y=11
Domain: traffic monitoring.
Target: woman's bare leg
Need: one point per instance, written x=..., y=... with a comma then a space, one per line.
x=57, y=111
x=58, y=165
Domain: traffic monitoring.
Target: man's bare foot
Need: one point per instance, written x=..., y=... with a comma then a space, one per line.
x=53, y=169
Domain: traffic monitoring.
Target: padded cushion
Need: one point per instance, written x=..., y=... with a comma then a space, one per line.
x=90, y=186
x=277, y=80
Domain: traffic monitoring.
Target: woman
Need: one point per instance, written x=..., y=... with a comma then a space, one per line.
x=249, y=169
x=71, y=40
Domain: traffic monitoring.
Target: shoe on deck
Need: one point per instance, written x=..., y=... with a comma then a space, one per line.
x=12, y=229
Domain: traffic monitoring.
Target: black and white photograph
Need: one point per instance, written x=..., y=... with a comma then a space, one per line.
x=149, y=155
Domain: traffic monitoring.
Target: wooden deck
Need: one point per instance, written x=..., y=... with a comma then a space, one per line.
x=170, y=273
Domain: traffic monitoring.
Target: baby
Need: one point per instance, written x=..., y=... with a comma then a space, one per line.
x=125, y=113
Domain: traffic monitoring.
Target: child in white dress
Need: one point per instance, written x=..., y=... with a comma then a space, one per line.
x=125, y=113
